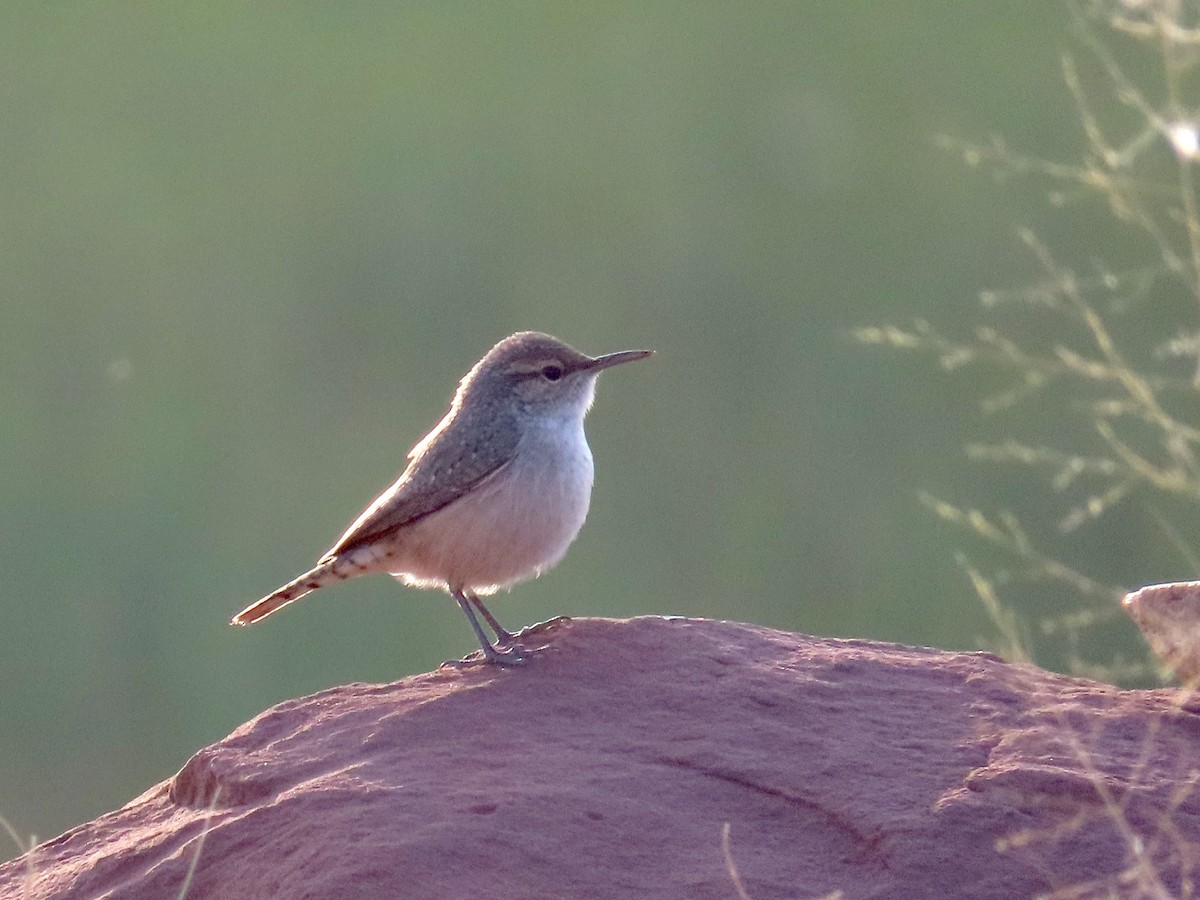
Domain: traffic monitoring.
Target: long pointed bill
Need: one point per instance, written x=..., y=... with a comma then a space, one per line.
x=615, y=359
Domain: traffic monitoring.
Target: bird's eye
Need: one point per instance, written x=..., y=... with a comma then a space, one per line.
x=552, y=373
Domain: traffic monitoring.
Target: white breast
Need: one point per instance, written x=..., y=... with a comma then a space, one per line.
x=514, y=527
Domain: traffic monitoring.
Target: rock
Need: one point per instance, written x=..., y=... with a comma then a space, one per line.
x=610, y=764
x=1169, y=617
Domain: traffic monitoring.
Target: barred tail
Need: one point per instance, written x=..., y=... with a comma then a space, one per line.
x=325, y=573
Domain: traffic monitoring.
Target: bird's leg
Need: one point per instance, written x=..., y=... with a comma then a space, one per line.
x=503, y=636
x=509, y=657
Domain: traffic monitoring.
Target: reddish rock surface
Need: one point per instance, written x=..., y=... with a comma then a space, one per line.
x=607, y=766
x=1169, y=617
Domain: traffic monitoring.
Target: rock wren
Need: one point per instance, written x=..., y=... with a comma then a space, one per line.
x=492, y=496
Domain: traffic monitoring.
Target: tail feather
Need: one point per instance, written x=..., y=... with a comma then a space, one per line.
x=315, y=578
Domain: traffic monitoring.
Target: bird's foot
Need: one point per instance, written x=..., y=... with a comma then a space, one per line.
x=514, y=655
x=504, y=637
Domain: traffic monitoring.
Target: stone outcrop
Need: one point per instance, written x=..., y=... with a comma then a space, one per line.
x=669, y=758
x=1169, y=616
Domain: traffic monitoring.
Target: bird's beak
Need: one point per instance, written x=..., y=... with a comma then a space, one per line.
x=615, y=359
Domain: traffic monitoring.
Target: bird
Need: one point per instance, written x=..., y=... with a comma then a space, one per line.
x=491, y=497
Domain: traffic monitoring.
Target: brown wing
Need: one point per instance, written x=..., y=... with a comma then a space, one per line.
x=456, y=458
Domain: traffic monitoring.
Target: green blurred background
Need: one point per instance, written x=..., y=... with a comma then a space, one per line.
x=248, y=249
